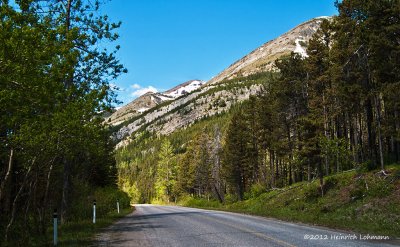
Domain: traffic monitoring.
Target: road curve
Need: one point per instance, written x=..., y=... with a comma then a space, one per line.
x=152, y=225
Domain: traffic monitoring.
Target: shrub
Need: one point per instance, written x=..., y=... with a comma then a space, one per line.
x=330, y=183
x=230, y=198
x=199, y=202
x=365, y=166
x=379, y=187
x=256, y=190
x=312, y=191
x=106, y=201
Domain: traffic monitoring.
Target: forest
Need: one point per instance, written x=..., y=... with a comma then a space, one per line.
x=336, y=109
x=55, y=152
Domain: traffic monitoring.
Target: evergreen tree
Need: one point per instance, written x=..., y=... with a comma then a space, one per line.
x=235, y=155
x=166, y=171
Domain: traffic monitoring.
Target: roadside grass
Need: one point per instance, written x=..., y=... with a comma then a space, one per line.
x=364, y=202
x=79, y=229
x=72, y=233
x=82, y=232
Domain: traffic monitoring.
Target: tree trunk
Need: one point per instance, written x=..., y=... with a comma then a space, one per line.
x=29, y=202
x=44, y=205
x=354, y=136
x=371, y=132
x=290, y=153
x=321, y=176
x=378, y=116
x=276, y=171
x=271, y=168
x=8, y=173
x=337, y=136
x=360, y=139
x=397, y=130
x=14, y=206
x=65, y=190
x=217, y=164
x=325, y=133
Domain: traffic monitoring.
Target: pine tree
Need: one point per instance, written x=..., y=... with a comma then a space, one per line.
x=235, y=154
x=318, y=89
x=291, y=93
x=166, y=171
x=217, y=184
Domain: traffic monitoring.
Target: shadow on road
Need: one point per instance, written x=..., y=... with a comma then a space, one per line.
x=120, y=233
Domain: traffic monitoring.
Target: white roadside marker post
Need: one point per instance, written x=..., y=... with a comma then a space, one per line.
x=55, y=221
x=118, y=206
x=94, y=211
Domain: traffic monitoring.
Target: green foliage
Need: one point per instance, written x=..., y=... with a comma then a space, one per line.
x=166, y=172
x=301, y=202
x=337, y=152
x=138, y=162
x=54, y=89
x=106, y=201
x=330, y=182
x=199, y=203
x=231, y=198
x=311, y=192
x=132, y=191
x=365, y=166
x=235, y=158
x=255, y=191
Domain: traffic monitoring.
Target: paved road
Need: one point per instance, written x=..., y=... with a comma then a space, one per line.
x=151, y=225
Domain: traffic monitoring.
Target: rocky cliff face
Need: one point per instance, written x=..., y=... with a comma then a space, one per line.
x=181, y=106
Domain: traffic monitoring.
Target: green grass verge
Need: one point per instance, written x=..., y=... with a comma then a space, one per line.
x=73, y=233
x=82, y=233
x=366, y=202
x=79, y=229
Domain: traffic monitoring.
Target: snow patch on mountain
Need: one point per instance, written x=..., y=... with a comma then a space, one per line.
x=141, y=110
x=324, y=17
x=193, y=85
x=299, y=49
x=163, y=97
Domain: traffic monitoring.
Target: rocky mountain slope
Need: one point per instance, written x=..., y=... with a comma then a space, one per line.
x=150, y=100
x=181, y=106
x=262, y=58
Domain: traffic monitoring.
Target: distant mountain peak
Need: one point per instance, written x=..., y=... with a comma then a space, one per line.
x=151, y=99
x=148, y=93
x=263, y=58
x=184, y=88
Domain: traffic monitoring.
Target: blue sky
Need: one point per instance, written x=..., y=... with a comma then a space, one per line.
x=167, y=42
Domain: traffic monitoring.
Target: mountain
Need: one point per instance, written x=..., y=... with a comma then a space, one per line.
x=150, y=100
x=191, y=101
x=263, y=58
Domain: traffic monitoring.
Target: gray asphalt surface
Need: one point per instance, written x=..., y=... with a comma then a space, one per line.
x=152, y=225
